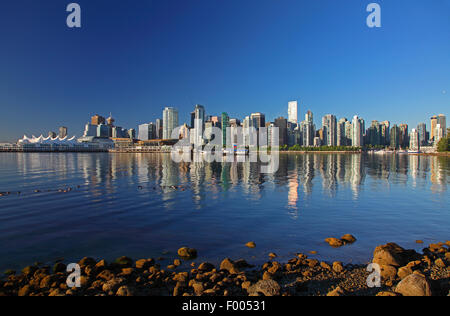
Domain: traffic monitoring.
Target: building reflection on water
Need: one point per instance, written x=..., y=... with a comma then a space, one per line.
x=298, y=175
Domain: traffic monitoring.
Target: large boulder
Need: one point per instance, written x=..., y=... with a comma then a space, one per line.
x=393, y=255
x=414, y=285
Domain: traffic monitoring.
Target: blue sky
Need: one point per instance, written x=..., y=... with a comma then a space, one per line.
x=132, y=58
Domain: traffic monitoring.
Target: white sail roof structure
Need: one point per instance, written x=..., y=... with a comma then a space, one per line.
x=47, y=140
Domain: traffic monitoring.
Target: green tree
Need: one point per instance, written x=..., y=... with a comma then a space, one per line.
x=443, y=145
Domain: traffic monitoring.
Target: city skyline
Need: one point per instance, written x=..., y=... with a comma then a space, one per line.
x=323, y=55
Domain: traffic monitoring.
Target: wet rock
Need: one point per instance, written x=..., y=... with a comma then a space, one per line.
x=188, y=253
x=393, y=255
x=325, y=266
x=272, y=255
x=144, y=263
x=348, y=239
x=250, y=244
x=125, y=291
x=312, y=263
x=27, y=271
x=87, y=262
x=313, y=252
x=206, y=267
x=334, y=242
x=419, y=241
x=177, y=262
x=338, y=267
x=102, y=264
x=388, y=272
x=337, y=292
x=124, y=262
x=414, y=285
x=106, y=275
x=198, y=288
x=171, y=267
x=56, y=292
x=265, y=287
x=230, y=266
x=59, y=267
x=113, y=285
x=25, y=291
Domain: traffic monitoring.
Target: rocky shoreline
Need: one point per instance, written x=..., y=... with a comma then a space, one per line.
x=403, y=273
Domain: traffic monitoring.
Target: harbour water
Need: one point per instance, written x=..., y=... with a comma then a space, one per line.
x=73, y=205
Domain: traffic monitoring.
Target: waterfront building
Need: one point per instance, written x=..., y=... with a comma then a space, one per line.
x=422, y=131
x=414, y=144
x=438, y=134
x=442, y=121
x=225, y=125
x=329, y=130
x=147, y=132
x=395, y=137
x=159, y=129
x=170, y=121
x=52, y=134
x=110, y=121
x=104, y=131
x=404, y=136
x=385, y=136
x=185, y=132
x=340, y=132
x=357, y=132
x=132, y=133
x=199, y=124
x=434, y=122
x=271, y=135
x=317, y=142
x=281, y=123
x=62, y=132
x=119, y=132
x=293, y=112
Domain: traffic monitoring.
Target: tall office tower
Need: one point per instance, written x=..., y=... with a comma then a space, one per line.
x=441, y=120
x=192, y=119
x=246, y=125
x=271, y=140
x=404, y=136
x=348, y=133
x=293, y=112
x=385, y=137
x=52, y=134
x=147, y=131
x=104, y=131
x=422, y=131
x=199, y=124
x=159, y=128
x=97, y=120
x=357, y=132
x=215, y=120
x=329, y=130
x=170, y=121
x=438, y=134
x=259, y=120
x=341, y=138
x=281, y=123
x=308, y=132
x=395, y=137
x=414, y=140
x=374, y=134
x=225, y=125
x=63, y=132
x=434, y=122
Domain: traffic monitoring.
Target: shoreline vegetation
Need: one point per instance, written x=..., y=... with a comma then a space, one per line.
x=403, y=273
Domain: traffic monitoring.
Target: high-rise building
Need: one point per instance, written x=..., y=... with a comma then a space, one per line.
x=441, y=120
x=404, y=136
x=159, y=129
x=308, y=130
x=63, y=132
x=422, y=131
x=52, y=134
x=258, y=119
x=395, y=137
x=132, y=133
x=225, y=126
x=147, y=131
x=97, y=120
x=281, y=123
x=414, y=140
x=434, y=122
x=110, y=121
x=357, y=132
x=199, y=124
x=329, y=130
x=438, y=134
x=170, y=121
x=341, y=137
x=385, y=129
x=293, y=112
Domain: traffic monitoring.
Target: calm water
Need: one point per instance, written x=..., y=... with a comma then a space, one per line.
x=124, y=205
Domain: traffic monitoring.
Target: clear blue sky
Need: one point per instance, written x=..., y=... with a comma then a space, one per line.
x=132, y=58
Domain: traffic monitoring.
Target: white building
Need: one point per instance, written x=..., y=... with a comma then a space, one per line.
x=414, y=144
x=357, y=132
x=170, y=121
x=293, y=112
